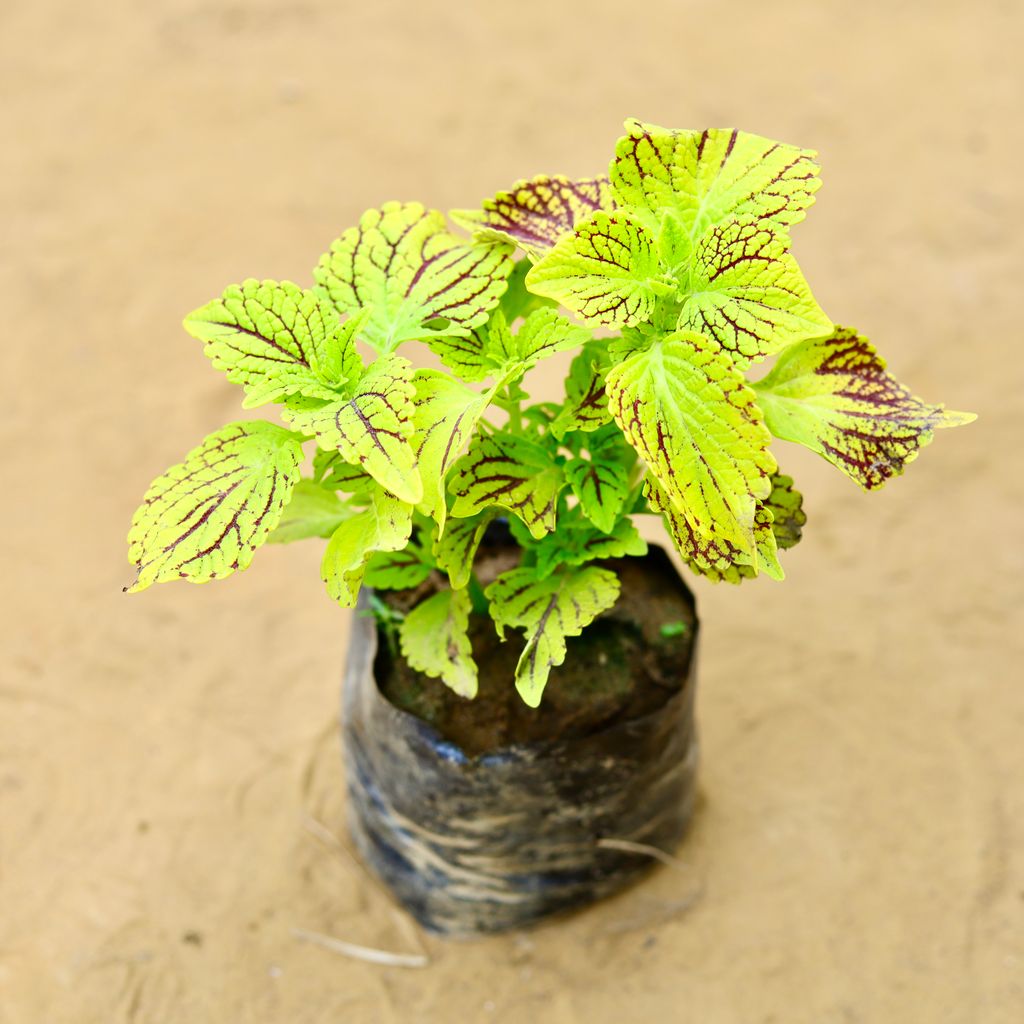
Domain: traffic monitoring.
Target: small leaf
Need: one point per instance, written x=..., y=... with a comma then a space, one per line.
x=690, y=416
x=204, y=518
x=834, y=396
x=548, y=610
x=435, y=640
x=745, y=290
x=384, y=526
x=513, y=473
x=537, y=213
x=607, y=272
x=405, y=266
x=786, y=506
x=586, y=404
x=577, y=541
x=518, y=300
x=444, y=420
x=705, y=177
x=456, y=548
x=313, y=511
x=276, y=340
x=601, y=486
x=330, y=470
x=370, y=425
x=398, y=570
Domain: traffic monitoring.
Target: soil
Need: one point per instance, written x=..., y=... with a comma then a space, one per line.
x=624, y=665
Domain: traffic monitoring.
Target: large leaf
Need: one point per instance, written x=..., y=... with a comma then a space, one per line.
x=313, y=511
x=435, y=640
x=205, y=517
x=537, y=213
x=548, y=610
x=370, y=424
x=606, y=272
x=405, y=266
x=713, y=556
x=511, y=472
x=744, y=289
x=445, y=418
x=384, y=526
x=277, y=340
x=834, y=396
x=690, y=416
x=707, y=176
x=455, y=549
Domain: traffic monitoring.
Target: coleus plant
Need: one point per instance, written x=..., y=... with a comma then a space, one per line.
x=677, y=274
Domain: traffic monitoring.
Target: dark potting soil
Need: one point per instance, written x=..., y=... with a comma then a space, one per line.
x=626, y=664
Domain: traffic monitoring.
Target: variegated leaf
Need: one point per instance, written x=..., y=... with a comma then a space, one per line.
x=688, y=413
x=548, y=610
x=707, y=176
x=834, y=396
x=435, y=640
x=403, y=264
x=384, y=526
x=715, y=557
x=277, y=340
x=601, y=485
x=370, y=425
x=537, y=213
x=745, y=290
x=313, y=511
x=204, y=518
x=398, y=570
x=577, y=541
x=513, y=473
x=455, y=549
x=586, y=404
x=330, y=470
x=445, y=418
x=607, y=272
x=786, y=506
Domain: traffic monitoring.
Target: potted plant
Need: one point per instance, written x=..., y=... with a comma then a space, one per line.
x=519, y=694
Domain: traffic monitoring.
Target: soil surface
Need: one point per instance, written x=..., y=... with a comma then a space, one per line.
x=169, y=762
x=627, y=663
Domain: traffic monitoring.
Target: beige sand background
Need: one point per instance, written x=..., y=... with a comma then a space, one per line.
x=859, y=855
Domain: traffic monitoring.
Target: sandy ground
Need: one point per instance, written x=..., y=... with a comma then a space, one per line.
x=859, y=855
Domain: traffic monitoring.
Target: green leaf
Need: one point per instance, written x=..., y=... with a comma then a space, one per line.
x=577, y=541
x=601, y=485
x=313, y=511
x=384, y=526
x=405, y=266
x=370, y=425
x=455, y=549
x=518, y=300
x=744, y=289
x=607, y=272
x=715, y=557
x=834, y=396
x=690, y=416
x=705, y=177
x=493, y=351
x=548, y=610
x=786, y=506
x=586, y=404
x=445, y=418
x=435, y=640
x=398, y=570
x=536, y=214
x=277, y=340
x=330, y=470
x=205, y=517
x=511, y=472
